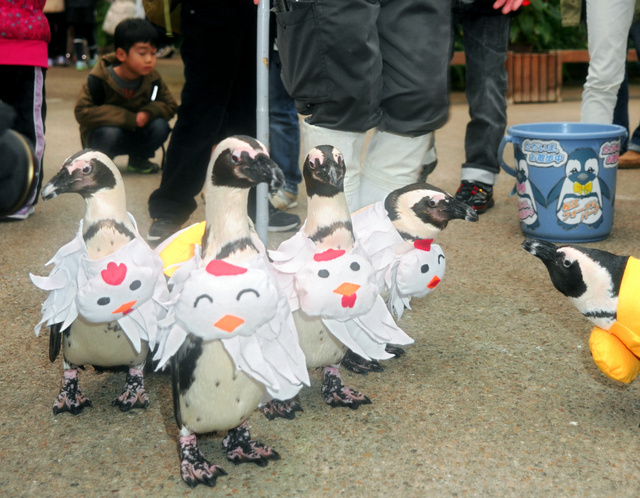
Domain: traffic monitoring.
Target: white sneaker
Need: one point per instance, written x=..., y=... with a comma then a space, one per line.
x=281, y=199
x=21, y=214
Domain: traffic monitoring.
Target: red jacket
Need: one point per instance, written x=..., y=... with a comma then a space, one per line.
x=24, y=33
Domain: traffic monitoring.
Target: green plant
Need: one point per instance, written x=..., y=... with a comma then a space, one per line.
x=538, y=27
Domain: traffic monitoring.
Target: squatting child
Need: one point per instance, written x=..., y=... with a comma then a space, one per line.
x=124, y=107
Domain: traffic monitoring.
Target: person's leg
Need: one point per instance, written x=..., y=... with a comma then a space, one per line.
x=608, y=24
x=23, y=88
x=109, y=140
x=414, y=44
x=207, y=27
x=621, y=110
x=339, y=90
x=284, y=131
x=146, y=141
x=486, y=39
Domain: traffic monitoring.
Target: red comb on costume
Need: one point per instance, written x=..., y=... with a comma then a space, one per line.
x=219, y=268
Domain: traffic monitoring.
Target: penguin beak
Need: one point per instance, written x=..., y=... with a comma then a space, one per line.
x=545, y=251
x=457, y=210
x=59, y=184
x=263, y=169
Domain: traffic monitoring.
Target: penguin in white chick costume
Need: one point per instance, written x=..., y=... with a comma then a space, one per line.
x=397, y=235
x=331, y=284
x=106, y=290
x=229, y=335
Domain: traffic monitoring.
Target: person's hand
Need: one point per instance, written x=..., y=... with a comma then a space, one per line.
x=507, y=5
x=142, y=119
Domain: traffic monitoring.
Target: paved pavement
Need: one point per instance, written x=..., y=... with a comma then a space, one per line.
x=498, y=397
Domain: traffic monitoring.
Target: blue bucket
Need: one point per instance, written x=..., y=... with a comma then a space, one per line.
x=565, y=178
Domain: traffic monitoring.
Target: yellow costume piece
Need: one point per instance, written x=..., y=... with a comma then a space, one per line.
x=617, y=351
x=181, y=247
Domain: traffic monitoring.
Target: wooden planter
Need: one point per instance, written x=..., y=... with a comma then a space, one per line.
x=534, y=77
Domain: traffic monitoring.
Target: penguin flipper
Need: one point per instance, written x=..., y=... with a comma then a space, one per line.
x=605, y=190
x=555, y=192
x=537, y=195
x=55, y=341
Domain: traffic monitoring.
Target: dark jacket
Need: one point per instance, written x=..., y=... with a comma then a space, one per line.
x=115, y=109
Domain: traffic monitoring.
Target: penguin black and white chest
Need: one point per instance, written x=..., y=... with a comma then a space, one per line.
x=106, y=289
x=229, y=334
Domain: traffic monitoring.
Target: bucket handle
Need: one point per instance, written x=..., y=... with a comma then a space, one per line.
x=503, y=143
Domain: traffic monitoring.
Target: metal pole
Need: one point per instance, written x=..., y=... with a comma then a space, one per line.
x=262, y=114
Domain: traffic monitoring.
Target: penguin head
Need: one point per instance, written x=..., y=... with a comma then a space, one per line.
x=323, y=170
x=421, y=211
x=242, y=162
x=582, y=166
x=86, y=173
x=591, y=278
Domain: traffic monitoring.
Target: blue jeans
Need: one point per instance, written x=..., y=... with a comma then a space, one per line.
x=141, y=143
x=621, y=110
x=486, y=39
x=284, y=128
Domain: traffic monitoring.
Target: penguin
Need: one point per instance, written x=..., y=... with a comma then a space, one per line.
x=605, y=288
x=579, y=194
x=331, y=284
x=590, y=278
x=228, y=335
x=106, y=290
x=529, y=197
x=397, y=235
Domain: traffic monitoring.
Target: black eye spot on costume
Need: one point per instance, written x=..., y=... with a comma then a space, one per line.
x=323, y=273
x=136, y=284
x=103, y=301
x=354, y=266
x=424, y=268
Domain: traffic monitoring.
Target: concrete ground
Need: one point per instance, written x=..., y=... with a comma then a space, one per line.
x=499, y=395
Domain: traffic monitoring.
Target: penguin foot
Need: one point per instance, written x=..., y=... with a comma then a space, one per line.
x=357, y=364
x=194, y=467
x=133, y=393
x=241, y=449
x=394, y=350
x=70, y=398
x=336, y=394
x=284, y=409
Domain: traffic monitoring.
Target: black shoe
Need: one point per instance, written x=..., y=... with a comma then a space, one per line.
x=161, y=229
x=143, y=166
x=476, y=194
x=279, y=221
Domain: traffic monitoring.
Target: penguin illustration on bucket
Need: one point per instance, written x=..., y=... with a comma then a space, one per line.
x=579, y=193
x=565, y=178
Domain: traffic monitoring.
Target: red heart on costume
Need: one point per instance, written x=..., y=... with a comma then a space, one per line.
x=349, y=301
x=423, y=244
x=114, y=274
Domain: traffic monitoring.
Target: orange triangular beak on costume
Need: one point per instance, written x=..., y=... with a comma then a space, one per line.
x=229, y=323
